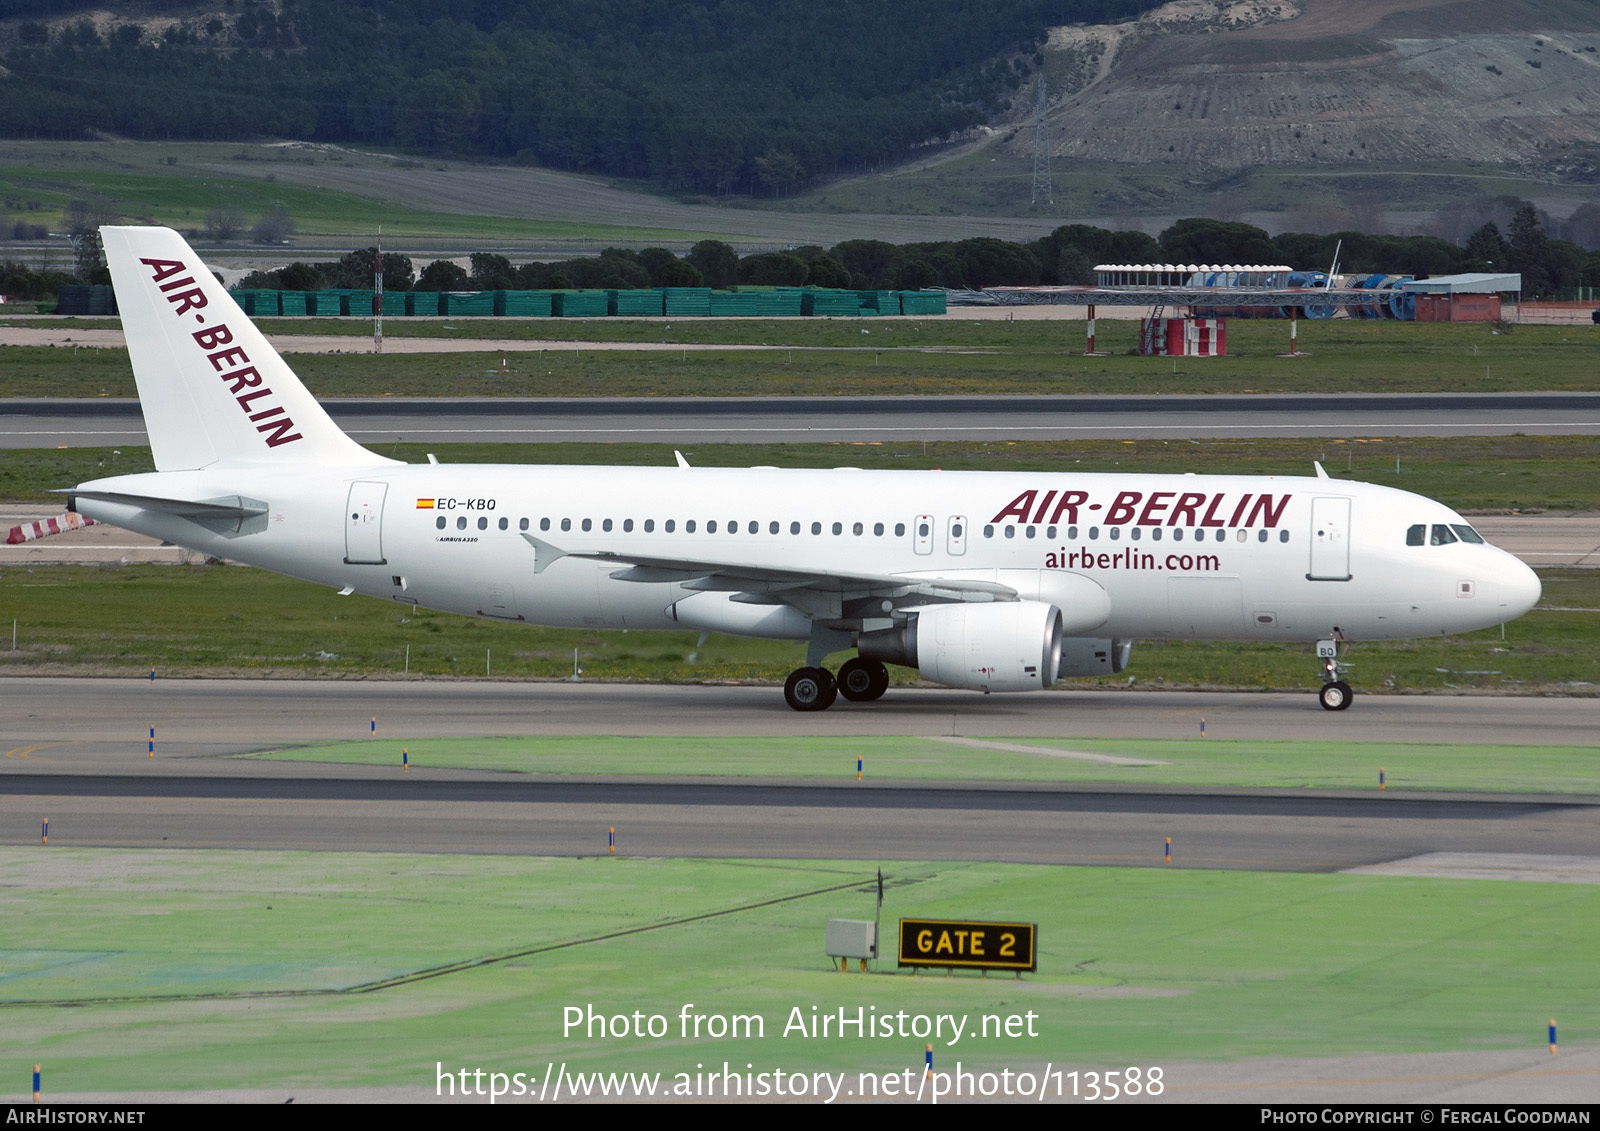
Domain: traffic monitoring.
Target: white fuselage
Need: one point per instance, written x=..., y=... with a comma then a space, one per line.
x=1177, y=556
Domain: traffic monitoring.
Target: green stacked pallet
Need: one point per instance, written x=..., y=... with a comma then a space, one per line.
x=326, y=304
x=686, y=301
x=358, y=304
x=396, y=303
x=884, y=302
x=530, y=304
x=292, y=304
x=257, y=304
x=835, y=304
x=731, y=303
x=785, y=302
x=637, y=304
x=582, y=304
x=922, y=302
x=459, y=305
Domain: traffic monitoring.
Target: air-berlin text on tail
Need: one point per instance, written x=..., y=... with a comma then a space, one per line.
x=1158, y=508
x=232, y=364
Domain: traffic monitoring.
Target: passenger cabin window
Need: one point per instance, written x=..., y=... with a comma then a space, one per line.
x=504, y=522
x=522, y=524
x=439, y=522
x=899, y=530
x=1415, y=535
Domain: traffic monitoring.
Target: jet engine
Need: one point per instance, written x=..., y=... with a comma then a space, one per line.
x=1082, y=656
x=1004, y=646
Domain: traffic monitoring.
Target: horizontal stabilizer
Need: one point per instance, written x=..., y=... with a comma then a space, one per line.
x=225, y=515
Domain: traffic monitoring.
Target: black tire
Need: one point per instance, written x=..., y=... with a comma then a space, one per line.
x=810, y=689
x=862, y=681
x=1335, y=696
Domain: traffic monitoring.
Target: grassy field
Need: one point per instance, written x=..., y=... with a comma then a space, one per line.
x=1190, y=760
x=1482, y=473
x=248, y=969
x=176, y=184
x=231, y=619
x=893, y=357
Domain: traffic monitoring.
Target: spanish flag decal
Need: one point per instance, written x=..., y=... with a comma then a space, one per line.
x=424, y=504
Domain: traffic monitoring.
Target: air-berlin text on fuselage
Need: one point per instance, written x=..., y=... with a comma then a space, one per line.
x=231, y=364
x=1158, y=508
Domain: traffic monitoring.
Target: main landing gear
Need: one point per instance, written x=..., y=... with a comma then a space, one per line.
x=814, y=689
x=1335, y=694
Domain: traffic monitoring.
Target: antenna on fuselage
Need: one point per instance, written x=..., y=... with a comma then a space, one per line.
x=677, y=455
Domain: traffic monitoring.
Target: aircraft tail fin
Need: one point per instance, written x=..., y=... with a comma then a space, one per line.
x=211, y=386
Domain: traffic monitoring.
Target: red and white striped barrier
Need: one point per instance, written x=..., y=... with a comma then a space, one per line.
x=28, y=531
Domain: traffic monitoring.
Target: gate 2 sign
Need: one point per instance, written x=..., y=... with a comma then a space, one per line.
x=973, y=944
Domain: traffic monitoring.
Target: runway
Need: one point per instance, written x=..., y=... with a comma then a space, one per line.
x=104, y=721
x=1261, y=832
x=76, y=754
x=102, y=422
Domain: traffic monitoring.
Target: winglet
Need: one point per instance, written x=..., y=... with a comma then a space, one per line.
x=677, y=455
x=543, y=553
x=1321, y=474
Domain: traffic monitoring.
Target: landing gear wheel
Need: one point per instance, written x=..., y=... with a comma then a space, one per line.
x=810, y=689
x=1335, y=696
x=862, y=681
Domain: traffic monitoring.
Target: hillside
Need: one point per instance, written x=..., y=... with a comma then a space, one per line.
x=1509, y=84
x=1302, y=115
x=753, y=97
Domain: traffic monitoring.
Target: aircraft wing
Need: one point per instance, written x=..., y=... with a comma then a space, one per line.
x=820, y=593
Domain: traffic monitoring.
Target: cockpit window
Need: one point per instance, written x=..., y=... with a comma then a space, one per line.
x=1417, y=535
x=1442, y=535
x=1466, y=532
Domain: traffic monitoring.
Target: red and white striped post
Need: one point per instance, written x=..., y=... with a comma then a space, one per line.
x=1091, y=329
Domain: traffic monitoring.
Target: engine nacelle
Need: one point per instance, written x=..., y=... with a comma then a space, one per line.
x=1004, y=646
x=1081, y=656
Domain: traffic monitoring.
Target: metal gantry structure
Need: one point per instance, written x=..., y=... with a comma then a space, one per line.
x=1041, y=151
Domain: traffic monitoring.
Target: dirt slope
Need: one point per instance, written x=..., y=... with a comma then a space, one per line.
x=1236, y=85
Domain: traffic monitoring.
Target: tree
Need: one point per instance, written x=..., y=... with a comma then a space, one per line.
x=84, y=216
x=870, y=258
x=778, y=170
x=667, y=270
x=89, y=259
x=774, y=269
x=1205, y=242
x=1486, y=246
x=1074, y=268
x=1528, y=251
x=443, y=275
x=491, y=272
x=716, y=261
x=302, y=277
x=911, y=274
x=822, y=271
x=355, y=270
x=224, y=223
x=275, y=227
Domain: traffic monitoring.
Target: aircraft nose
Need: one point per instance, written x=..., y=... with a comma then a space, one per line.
x=1519, y=587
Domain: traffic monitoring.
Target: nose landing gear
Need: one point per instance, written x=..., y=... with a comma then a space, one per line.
x=1335, y=694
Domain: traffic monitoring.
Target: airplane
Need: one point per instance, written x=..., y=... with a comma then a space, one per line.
x=989, y=581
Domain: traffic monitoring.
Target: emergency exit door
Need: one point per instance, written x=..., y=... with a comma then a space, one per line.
x=363, y=524
x=1330, y=540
